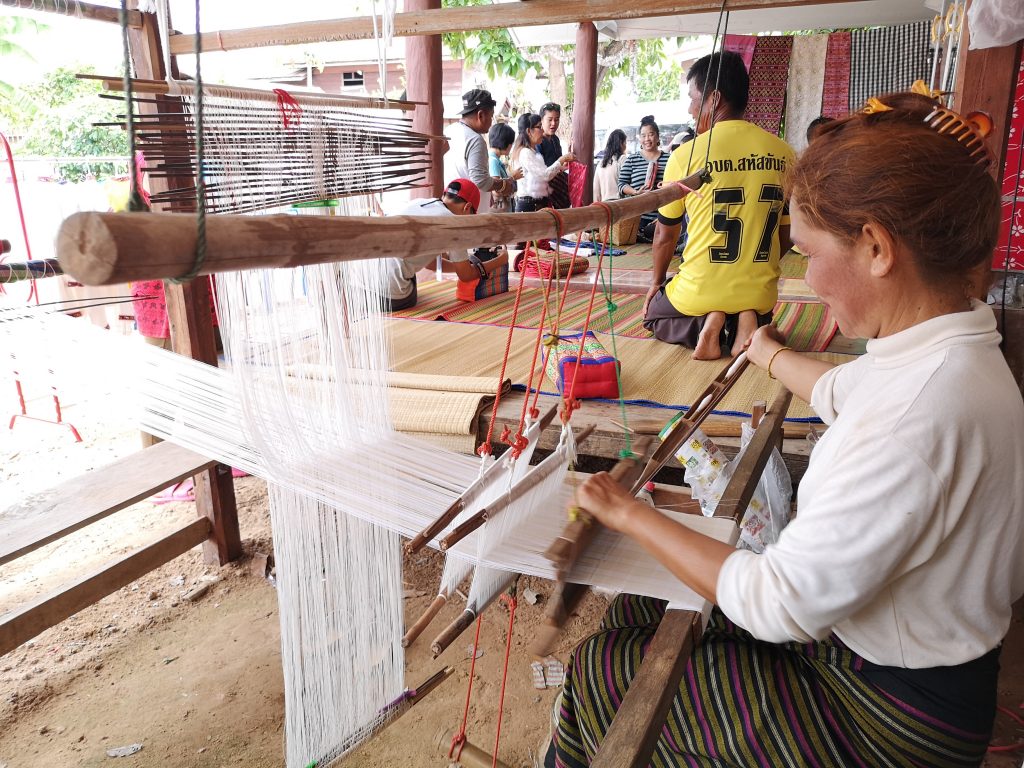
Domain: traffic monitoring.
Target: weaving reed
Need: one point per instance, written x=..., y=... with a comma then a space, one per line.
x=259, y=156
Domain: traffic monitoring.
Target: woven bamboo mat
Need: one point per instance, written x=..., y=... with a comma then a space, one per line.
x=793, y=265
x=653, y=373
x=808, y=326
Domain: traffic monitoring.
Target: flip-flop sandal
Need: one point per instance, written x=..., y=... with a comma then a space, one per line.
x=181, y=491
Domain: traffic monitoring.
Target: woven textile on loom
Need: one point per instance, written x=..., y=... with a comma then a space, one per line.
x=769, y=75
x=888, y=59
x=809, y=325
x=1011, y=234
x=835, y=100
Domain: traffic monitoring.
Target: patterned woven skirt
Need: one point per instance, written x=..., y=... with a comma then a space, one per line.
x=743, y=702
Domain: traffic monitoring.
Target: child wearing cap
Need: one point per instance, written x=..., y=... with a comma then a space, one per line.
x=461, y=198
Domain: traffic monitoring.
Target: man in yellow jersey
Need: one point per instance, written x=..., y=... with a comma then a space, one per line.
x=727, y=284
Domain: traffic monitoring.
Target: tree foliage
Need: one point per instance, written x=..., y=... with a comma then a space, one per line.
x=60, y=124
x=11, y=27
x=492, y=49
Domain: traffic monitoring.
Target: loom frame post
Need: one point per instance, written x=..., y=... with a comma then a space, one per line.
x=190, y=318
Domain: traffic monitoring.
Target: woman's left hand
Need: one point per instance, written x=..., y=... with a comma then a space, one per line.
x=606, y=500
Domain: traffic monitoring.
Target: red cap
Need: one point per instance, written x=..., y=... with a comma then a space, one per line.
x=465, y=189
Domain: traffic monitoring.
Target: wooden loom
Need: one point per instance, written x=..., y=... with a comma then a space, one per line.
x=979, y=87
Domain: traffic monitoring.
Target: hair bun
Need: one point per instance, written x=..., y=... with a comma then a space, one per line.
x=647, y=120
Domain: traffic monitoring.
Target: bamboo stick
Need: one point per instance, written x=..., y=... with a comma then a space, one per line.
x=428, y=616
x=160, y=87
x=532, y=478
x=420, y=540
x=470, y=756
x=109, y=248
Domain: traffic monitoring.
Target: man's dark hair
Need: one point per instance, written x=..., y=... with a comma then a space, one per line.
x=732, y=82
x=500, y=136
x=812, y=129
x=550, y=107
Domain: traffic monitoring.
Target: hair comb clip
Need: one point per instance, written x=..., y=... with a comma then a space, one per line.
x=873, y=107
x=969, y=131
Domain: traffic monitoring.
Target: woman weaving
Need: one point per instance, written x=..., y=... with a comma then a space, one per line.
x=869, y=634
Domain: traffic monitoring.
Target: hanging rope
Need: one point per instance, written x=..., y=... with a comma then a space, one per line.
x=459, y=739
x=509, y=598
x=135, y=199
x=200, y=167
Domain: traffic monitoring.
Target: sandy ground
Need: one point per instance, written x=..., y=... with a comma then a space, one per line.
x=198, y=681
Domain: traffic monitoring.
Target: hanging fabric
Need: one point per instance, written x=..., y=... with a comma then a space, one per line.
x=835, y=100
x=769, y=73
x=888, y=59
x=743, y=45
x=803, y=96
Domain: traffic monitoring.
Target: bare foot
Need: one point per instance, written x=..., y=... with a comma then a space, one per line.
x=745, y=328
x=708, y=345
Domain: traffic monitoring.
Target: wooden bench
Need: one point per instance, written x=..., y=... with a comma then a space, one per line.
x=94, y=496
x=631, y=739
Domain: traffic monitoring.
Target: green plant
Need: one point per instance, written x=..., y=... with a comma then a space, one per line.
x=492, y=49
x=60, y=123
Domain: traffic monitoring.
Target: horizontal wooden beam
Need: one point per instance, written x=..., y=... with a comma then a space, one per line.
x=48, y=610
x=83, y=500
x=79, y=10
x=467, y=18
x=110, y=248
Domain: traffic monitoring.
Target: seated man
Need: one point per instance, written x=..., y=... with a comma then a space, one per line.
x=727, y=284
x=461, y=198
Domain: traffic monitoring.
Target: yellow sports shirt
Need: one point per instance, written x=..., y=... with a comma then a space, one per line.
x=731, y=260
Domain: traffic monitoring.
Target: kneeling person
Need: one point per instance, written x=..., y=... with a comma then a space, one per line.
x=727, y=284
x=461, y=198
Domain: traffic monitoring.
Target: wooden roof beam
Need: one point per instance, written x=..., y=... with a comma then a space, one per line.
x=81, y=10
x=440, y=21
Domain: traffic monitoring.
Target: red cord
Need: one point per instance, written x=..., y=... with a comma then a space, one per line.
x=570, y=401
x=1016, y=746
x=290, y=109
x=459, y=739
x=511, y=602
x=485, y=448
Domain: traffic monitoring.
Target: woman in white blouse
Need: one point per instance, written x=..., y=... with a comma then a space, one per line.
x=606, y=175
x=535, y=186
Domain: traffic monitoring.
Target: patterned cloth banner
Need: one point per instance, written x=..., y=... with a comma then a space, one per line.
x=743, y=45
x=806, y=85
x=888, y=59
x=769, y=73
x=1009, y=252
x=835, y=101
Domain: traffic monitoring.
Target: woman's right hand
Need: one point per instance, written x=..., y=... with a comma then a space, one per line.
x=766, y=341
x=567, y=158
x=606, y=500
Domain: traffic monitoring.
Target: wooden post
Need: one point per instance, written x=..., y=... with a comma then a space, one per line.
x=423, y=80
x=986, y=81
x=585, y=103
x=191, y=322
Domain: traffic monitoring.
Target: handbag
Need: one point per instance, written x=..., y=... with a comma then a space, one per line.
x=478, y=288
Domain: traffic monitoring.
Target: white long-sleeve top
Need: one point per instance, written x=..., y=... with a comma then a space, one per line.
x=909, y=535
x=606, y=180
x=536, y=174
